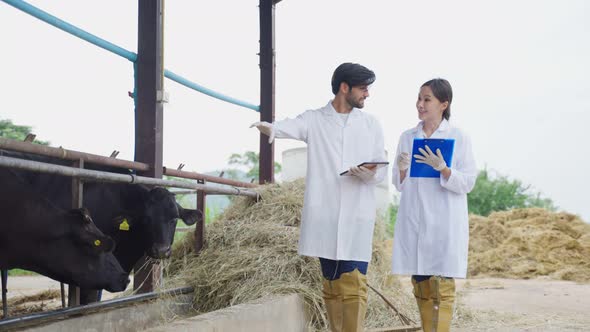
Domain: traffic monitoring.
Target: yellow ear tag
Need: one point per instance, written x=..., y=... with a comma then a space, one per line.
x=97, y=243
x=124, y=226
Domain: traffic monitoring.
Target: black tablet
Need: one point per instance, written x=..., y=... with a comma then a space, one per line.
x=369, y=164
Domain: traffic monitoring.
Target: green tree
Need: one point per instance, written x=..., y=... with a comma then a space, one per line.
x=10, y=130
x=500, y=193
x=249, y=161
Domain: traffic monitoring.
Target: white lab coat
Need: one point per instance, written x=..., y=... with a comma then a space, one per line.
x=432, y=228
x=339, y=211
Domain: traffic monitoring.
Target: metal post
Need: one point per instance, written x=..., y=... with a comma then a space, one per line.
x=63, y=294
x=149, y=113
x=4, y=278
x=200, y=227
x=77, y=199
x=267, y=86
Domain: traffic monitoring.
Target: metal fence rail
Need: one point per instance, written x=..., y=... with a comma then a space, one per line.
x=27, y=147
x=208, y=178
x=99, y=176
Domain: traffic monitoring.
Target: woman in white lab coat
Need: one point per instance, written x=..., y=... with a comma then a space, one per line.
x=339, y=211
x=432, y=228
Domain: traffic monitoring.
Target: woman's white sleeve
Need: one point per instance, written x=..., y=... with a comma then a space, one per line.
x=463, y=170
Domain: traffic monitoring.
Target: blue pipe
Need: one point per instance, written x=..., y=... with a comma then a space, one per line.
x=209, y=92
x=60, y=24
x=56, y=22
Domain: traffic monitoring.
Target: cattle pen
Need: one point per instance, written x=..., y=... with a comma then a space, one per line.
x=79, y=174
x=149, y=97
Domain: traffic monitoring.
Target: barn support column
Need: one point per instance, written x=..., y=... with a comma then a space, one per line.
x=149, y=90
x=267, y=86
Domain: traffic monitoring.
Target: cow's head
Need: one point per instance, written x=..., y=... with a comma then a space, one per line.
x=159, y=221
x=80, y=254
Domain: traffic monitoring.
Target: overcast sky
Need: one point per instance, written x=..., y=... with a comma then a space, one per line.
x=519, y=70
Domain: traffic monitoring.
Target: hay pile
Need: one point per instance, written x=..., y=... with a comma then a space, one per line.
x=526, y=243
x=28, y=304
x=251, y=253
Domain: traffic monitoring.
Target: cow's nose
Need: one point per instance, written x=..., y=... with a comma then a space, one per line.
x=125, y=279
x=120, y=283
x=161, y=251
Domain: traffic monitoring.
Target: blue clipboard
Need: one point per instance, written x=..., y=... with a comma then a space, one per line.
x=446, y=146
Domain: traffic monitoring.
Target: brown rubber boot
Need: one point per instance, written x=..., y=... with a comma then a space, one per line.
x=435, y=298
x=354, y=289
x=333, y=302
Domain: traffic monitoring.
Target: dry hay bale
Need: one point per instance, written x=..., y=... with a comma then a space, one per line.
x=27, y=304
x=525, y=243
x=251, y=253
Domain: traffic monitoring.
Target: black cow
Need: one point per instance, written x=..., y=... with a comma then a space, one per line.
x=64, y=245
x=140, y=220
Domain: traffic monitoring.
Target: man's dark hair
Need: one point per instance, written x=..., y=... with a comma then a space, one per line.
x=442, y=90
x=352, y=74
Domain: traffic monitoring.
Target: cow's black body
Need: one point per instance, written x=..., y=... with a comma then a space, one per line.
x=140, y=220
x=62, y=244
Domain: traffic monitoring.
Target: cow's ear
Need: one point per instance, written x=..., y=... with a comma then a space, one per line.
x=189, y=216
x=123, y=223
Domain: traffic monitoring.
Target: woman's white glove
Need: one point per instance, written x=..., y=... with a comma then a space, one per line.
x=403, y=161
x=265, y=128
x=428, y=157
x=364, y=173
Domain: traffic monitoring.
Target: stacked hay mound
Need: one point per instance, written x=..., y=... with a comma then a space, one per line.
x=526, y=243
x=251, y=253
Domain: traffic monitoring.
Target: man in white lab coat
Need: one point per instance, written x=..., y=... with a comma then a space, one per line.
x=339, y=211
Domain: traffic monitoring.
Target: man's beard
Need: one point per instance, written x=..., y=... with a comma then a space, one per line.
x=355, y=103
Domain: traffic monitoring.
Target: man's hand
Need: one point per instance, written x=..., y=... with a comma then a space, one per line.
x=362, y=172
x=265, y=128
x=428, y=157
x=403, y=161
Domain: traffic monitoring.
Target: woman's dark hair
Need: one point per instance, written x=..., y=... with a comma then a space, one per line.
x=352, y=74
x=442, y=90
